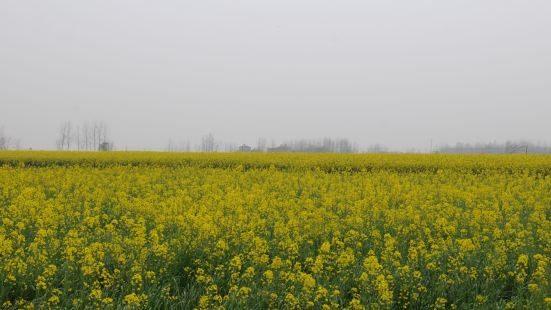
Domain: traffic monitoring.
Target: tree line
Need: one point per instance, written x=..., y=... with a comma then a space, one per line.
x=7, y=142
x=95, y=136
x=88, y=136
x=509, y=147
x=209, y=143
x=325, y=145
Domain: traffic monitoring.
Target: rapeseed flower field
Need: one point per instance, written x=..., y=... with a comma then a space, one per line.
x=286, y=231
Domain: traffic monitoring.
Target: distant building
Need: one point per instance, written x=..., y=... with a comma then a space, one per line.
x=280, y=149
x=244, y=148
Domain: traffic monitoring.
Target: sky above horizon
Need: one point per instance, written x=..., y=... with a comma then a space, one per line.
x=396, y=73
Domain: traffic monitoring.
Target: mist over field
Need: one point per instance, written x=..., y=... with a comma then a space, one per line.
x=278, y=154
x=405, y=75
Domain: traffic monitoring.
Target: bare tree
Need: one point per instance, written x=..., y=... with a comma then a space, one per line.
x=89, y=136
x=86, y=135
x=68, y=134
x=170, y=146
x=325, y=145
x=261, y=145
x=77, y=137
x=3, y=140
x=95, y=135
x=104, y=133
x=230, y=147
x=63, y=141
x=508, y=147
x=6, y=142
x=376, y=148
x=182, y=146
x=208, y=144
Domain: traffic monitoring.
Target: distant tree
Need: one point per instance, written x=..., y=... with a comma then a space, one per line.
x=208, y=144
x=4, y=141
x=377, y=148
x=508, y=147
x=230, y=147
x=170, y=146
x=77, y=138
x=64, y=139
x=182, y=146
x=328, y=145
x=7, y=142
x=325, y=145
x=95, y=136
x=89, y=136
x=86, y=136
x=261, y=145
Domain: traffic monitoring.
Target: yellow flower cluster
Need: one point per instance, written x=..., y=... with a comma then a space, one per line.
x=164, y=230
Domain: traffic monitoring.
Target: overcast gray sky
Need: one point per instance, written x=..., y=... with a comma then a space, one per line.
x=399, y=73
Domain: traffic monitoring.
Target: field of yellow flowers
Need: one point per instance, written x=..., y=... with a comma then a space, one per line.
x=289, y=231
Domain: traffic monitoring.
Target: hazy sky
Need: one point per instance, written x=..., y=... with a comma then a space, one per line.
x=399, y=73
